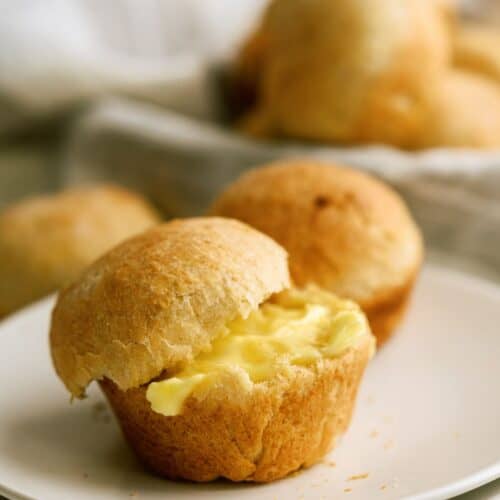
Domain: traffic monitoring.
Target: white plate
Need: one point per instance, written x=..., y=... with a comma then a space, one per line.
x=427, y=423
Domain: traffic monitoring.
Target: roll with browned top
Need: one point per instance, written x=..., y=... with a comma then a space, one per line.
x=344, y=230
x=47, y=241
x=213, y=364
x=345, y=71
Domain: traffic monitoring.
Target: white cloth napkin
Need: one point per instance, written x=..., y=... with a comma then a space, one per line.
x=56, y=53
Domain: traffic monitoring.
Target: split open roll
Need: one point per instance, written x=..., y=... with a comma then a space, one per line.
x=214, y=365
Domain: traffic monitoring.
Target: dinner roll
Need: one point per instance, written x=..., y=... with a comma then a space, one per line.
x=213, y=365
x=46, y=241
x=344, y=230
x=347, y=71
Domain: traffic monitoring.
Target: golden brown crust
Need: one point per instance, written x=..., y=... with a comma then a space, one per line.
x=160, y=298
x=46, y=241
x=395, y=58
x=477, y=48
x=343, y=229
x=350, y=70
x=277, y=428
x=465, y=113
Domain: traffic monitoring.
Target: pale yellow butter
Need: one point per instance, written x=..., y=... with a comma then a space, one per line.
x=298, y=328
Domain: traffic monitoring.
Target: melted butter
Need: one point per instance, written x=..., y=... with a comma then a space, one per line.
x=298, y=328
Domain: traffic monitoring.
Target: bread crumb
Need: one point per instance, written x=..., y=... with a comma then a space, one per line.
x=134, y=494
x=373, y=434
x=85, y=475
x=347, y=490
x=330, y=463
x=358, y=476
x=383, y=487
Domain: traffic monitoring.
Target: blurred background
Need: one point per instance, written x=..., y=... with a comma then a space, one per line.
x=133, y=92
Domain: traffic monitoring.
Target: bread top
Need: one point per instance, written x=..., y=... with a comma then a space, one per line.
x=349, y=70
x=157, y=300
x=344, y=230
x=46, y=241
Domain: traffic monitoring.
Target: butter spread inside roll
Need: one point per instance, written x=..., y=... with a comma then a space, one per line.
x=299, y=327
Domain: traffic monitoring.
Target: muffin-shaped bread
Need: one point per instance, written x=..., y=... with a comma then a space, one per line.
x=212, y=364
x=45, y=242
x=346, y=71
x=344, y=230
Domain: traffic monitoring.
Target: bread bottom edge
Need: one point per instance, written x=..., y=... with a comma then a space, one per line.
x=263, y=437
